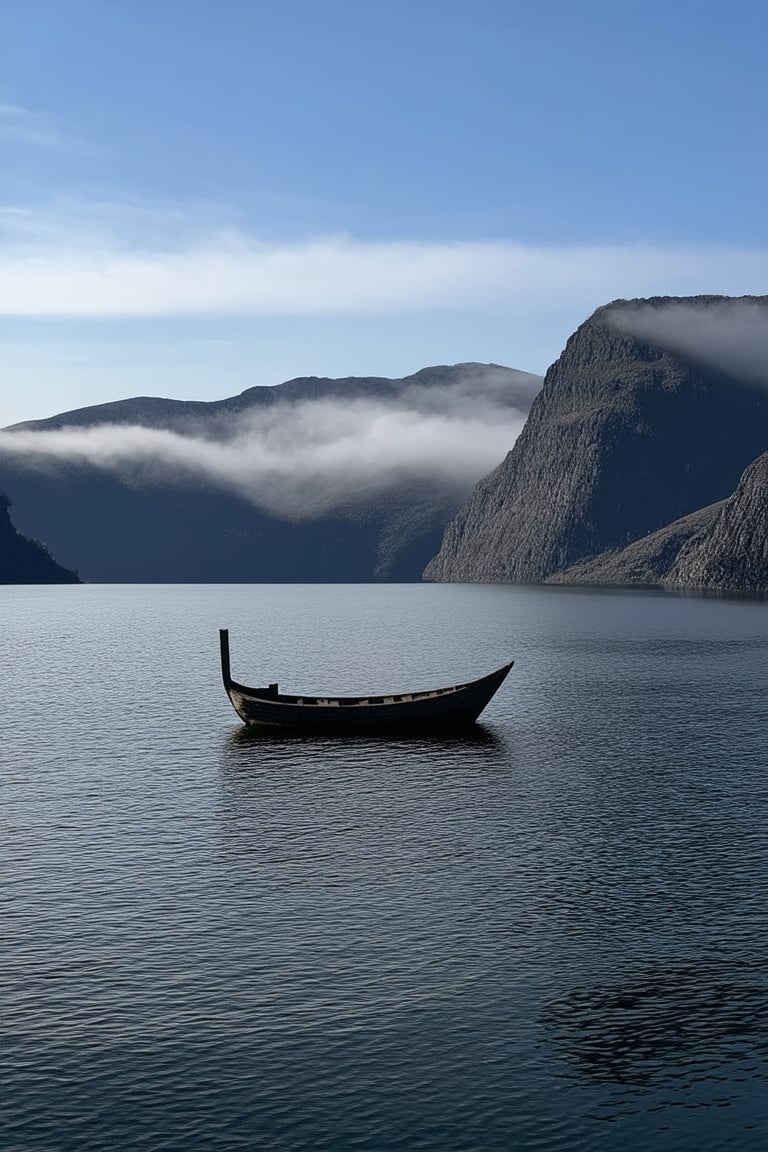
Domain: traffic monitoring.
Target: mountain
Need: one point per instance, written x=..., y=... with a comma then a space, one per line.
x=24, y=561
x=638, y=425
x=512, y=387
x=160, y=520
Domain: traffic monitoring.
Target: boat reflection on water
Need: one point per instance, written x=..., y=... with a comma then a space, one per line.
x=258, y=748
x=353, y=763
x=286, y=796
x=477, y=734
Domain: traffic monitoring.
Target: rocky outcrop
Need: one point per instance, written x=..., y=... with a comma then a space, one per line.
x=627, y=435
x=647, y=561
x=24, y=561
x=732, y=556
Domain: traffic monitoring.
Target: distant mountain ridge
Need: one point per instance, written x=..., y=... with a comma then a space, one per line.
x=625, y=438
x=163, y=528
x=516, y=388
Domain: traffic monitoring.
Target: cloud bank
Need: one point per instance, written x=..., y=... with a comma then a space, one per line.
x=302, y=460
x=96, y=267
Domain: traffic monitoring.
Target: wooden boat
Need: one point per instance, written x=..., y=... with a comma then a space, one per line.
x=458, y=705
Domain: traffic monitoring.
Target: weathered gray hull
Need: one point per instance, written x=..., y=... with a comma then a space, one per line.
x=459, y=705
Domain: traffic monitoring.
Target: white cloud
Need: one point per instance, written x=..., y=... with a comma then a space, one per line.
x=81, y=268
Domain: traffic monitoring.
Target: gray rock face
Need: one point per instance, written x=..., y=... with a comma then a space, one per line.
x=24, y=561
x=733, y=554
x=625, y=437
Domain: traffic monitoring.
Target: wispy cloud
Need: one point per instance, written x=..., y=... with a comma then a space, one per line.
x=22, y=126
x=89, y=268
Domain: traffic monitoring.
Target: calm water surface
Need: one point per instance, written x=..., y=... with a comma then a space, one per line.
x=551, y=936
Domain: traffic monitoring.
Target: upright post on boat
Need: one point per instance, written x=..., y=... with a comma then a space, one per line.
x=224, y=642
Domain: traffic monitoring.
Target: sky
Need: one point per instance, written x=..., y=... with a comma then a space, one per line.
x=197, y=196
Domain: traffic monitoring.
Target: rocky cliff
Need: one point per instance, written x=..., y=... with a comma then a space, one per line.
x=634, y=429
x=24, y=561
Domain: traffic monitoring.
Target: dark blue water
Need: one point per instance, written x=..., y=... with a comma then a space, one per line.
x=552, y=936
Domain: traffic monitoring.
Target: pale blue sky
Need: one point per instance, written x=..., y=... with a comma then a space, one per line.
x=197, y=196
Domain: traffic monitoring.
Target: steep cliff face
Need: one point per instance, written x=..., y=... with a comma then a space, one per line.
x=733, y=554
x=625, y=437
x=24, y=561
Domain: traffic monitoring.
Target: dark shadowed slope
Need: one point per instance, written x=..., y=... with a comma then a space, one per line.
x=733, y=554
x=625, y=437
x=723, y=547
x=24, y=561
x=646, y=561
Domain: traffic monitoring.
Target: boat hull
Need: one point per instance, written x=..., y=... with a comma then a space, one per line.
x=454, y=707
